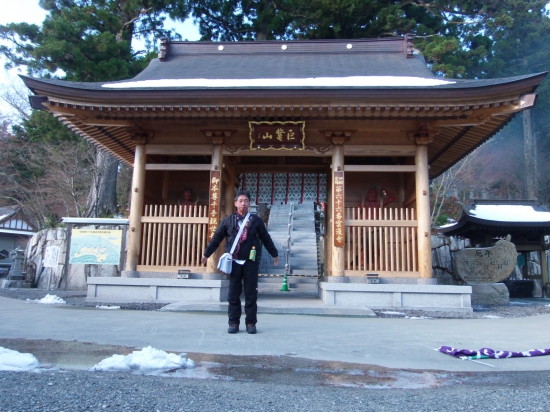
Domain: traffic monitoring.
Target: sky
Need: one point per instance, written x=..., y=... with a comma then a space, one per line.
x=30, y=12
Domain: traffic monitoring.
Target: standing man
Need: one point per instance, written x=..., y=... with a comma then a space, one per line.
x=245, y=264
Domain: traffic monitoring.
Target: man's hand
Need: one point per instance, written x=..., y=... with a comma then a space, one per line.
x=276, y=261
x=204, y=260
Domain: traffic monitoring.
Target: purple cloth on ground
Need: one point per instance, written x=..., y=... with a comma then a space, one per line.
x=490, y=353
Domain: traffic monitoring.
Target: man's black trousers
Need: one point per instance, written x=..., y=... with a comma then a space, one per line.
x=246, y=275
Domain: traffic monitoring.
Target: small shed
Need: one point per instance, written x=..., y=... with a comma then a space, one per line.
x=485, y=221
x=15, y=231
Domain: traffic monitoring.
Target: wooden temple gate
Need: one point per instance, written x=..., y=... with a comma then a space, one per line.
x=402, y=129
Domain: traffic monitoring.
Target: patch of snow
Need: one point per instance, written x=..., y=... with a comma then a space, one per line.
x=3, y=216
x=509, y=213
x=393, y=313
x=417, y=317
x=518, y=303
x=49, y=300
x=147, y=360
x=350, y=81
x=108, y=307
x=492, y=317
x=11, y=360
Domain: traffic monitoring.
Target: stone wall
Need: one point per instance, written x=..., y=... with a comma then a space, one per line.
x=54, y=278
x=443, y=249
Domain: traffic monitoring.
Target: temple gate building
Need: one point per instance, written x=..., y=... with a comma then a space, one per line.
x=343, y=123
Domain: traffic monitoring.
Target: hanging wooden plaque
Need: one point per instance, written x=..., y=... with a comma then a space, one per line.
x=214, y=203
x=277, y=135
x=338, y=209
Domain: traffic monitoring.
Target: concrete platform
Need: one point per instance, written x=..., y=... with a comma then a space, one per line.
x=279, y=304
x=161, y=290
x=333, y=295
x=398, y=295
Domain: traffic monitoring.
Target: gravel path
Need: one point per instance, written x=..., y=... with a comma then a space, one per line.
x=516, y=309
x=86, y=391
x=235, y=386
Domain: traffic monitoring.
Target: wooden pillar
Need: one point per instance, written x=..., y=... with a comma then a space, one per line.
x=217, y=164
x=136, y=208
x=337, y=260
x=230, y=189
x=423, y=212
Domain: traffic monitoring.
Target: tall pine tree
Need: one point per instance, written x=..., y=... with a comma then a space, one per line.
x=90, y=41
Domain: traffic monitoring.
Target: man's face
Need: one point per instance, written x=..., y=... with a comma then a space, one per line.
x=242, y=204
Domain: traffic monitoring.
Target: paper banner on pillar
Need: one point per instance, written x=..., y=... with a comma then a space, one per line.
x=338, y=209
x=214, y=203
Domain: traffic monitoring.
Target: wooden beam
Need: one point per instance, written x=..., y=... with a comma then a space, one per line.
x=380, y=150
x=309, y=152
x=247, y=168
x=162, y=166
x=380, y=168
x=178, y=149
x=160, y=219
x=381, y=223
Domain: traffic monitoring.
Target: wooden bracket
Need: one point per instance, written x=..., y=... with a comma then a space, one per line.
x=338, y=137
x=423, y=135
x=218, y=136
x=142, y=136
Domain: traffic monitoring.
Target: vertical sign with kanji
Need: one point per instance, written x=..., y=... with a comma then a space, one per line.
x=214, y=203
x=339, y=209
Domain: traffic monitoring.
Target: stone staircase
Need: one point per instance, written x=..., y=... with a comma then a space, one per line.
x=303, y=258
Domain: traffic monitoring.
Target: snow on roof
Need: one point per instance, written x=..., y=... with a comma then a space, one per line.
x=4, y=216
x=350, y=81
x=509, y=213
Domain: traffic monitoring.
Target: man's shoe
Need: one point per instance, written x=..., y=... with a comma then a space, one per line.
x=233, y=328
x=251, y=328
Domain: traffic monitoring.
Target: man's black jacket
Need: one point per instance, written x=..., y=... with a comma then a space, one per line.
x=256, y=232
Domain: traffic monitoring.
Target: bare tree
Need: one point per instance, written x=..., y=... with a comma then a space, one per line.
x=443, y=184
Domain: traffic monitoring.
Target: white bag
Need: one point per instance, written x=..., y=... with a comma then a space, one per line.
x=225, y=263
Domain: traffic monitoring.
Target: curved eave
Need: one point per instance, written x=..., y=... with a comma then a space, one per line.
x=463, y=226
x=81, y=93
x=445, y=105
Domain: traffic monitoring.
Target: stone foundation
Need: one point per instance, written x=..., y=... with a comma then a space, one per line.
x=397, y=296
x=156, y=290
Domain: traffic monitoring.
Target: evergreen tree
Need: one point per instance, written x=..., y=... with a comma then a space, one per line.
x=90, y=41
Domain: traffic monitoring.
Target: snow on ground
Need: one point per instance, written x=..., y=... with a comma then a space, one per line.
x=393, y=313
x=11, y=360
x=147, y=360
x=49, y=300
x=108, y=307
x=417, y=317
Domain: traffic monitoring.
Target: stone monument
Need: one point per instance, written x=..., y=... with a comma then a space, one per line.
x=482, y=268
